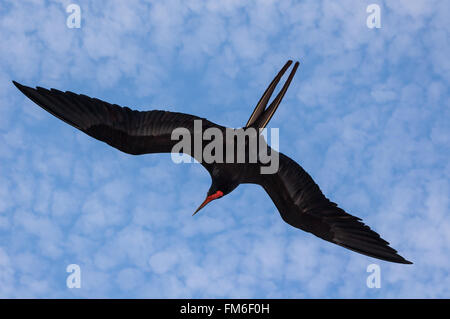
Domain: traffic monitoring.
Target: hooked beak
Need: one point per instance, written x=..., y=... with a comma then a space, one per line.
x=208, y=199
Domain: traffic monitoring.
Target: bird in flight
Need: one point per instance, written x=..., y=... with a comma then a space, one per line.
x=297, y=197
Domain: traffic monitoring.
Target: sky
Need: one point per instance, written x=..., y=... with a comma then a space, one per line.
x=365, y=115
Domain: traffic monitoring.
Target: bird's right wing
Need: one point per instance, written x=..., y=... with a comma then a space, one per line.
x=302, y=204
x=132, y=132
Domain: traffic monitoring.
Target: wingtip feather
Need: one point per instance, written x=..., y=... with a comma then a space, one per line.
x=17, y=85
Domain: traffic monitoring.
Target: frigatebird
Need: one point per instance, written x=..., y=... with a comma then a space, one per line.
x=297, y=197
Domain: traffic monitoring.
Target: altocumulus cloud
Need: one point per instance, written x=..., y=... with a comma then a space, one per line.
x=366, y=116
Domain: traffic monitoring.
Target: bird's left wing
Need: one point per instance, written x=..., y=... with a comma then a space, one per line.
x=133, y=132
x=302, y=204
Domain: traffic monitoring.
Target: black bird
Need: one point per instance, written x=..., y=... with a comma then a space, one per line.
x=297, y=197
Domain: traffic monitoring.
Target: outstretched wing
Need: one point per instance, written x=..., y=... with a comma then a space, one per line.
x=132, y=132
x=302, y=204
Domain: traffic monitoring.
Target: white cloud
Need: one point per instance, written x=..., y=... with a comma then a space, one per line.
x=163, y=261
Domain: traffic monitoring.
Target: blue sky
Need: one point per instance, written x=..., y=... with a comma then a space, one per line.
x=365, y=115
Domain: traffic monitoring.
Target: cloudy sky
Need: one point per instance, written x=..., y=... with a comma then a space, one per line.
x=365, y=116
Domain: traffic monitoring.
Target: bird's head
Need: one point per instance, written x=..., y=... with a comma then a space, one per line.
x=219, y=188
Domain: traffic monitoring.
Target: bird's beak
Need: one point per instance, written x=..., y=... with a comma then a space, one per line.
x=208, y=199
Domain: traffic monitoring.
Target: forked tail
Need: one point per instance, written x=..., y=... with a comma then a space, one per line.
x=262, y=115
